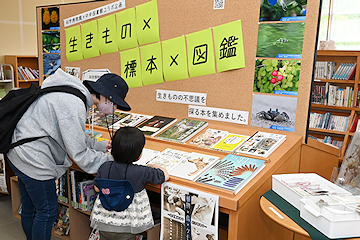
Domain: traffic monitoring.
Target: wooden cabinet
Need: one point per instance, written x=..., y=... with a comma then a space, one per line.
x=347, y=107
x=24, y=61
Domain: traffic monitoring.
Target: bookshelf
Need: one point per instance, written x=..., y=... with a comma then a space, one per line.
x=347, y=107
x=24, y=61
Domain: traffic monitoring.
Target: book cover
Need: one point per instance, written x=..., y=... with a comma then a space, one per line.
x=187, y=213
x=146, y=156
x=156, y=124
x=261, y=144
x=86, y=189
x=132, y=120
x=194, y=166
x=169, y=158
x=183, y=130
x=110, y=119
x=232, y=172
x=209, y=138
x=230, y=142
x=62, y=226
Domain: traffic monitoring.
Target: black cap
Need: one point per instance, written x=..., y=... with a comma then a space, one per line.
x=113, y=87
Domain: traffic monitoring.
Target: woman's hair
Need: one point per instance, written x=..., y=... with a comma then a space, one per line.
x=91, y=90
x=127, y=144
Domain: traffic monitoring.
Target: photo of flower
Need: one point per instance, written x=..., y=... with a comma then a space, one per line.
x=50, y=18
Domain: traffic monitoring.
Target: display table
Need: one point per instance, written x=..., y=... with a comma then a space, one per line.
x=284, y=220
x=245, y=217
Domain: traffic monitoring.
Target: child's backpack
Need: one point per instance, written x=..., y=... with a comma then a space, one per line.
x=14, y=105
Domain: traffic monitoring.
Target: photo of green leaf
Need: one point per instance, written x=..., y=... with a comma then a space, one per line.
x=274, y=10
x=280, y=38
x=273, y=74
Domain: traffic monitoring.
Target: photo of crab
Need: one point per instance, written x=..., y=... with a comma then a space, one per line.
x=280, y=40
x=274, y=112
x=51, y=41
x=277, y=76
x=283, y=10
x=51, y=63
x=50, y=18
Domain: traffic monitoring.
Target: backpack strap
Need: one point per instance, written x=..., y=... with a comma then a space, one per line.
x=65, y=89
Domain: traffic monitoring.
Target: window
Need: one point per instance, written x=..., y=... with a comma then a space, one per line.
x=340, y=22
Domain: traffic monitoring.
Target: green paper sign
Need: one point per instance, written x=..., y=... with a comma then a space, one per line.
x=229, y=47
x=147, y=23
x=151, y=64
x=126, y=22
x=131, y=67
x=174, y=59
x=89, y=36
x=107, y=34
x=73, y=44
x=200, y=49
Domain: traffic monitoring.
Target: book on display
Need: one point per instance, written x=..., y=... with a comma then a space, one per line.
x=183, y=130
x=156, y=124
x=261, y=144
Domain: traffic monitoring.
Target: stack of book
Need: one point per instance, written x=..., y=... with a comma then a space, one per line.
x=82, y=190
x=329, y=141
x=62, y=188
x=345, y=71
x=62, y=225
x=333, y=95
x=328, y=121
x=26, y=73
x=324, y=70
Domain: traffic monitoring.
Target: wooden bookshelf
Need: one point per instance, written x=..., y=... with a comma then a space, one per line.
x=25, y=61
x=351, y=111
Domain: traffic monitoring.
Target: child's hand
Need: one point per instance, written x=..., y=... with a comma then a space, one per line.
x=96, y=189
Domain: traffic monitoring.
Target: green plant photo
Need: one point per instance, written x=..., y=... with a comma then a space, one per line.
x=273, y=74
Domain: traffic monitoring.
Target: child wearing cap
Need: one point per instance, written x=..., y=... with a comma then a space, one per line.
x=127, y=146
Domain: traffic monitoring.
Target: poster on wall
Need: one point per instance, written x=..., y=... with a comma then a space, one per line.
x=280, y=40
x=50, y=18
x=283, y=10
x=274, y=112
x=51, y=41
x=277, y=76
x=51, y=63
x=187, y=213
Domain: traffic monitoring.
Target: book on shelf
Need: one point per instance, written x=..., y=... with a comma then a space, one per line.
x=345, y=71
x=183, y=130
x=62, y=225
x=230, y=142
x=156, y=124
x=209, y=138
x=232, y=173
x=132, y=120
x=196, y=165
x=62, y=188
x=261, y=144
x=87, y=195
x=79, y=198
